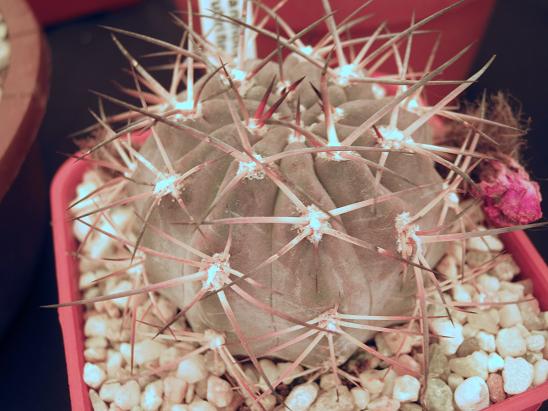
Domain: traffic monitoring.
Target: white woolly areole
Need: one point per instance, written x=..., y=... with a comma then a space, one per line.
x=335, y=155
x=307, y=50
x=186, y=110
x=378, y=91
x=132, y=166
x=413, y=104
x=237, y=74
x=282, y=86
x=186, y=105
x=346, y=73
x=328, y=320
x=452, y=199
x=407, y=238
x=256, y=128
x=294, y=138
x=251, y=169
x=218, y=273
x=166, y=184
x=393, y=137
x=215, y=340
x=315, y=225
x=337, y=115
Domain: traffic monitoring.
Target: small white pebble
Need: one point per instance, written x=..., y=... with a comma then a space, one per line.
x=454, y=380
x=96, y=326
x=448, y=267
x=372, y=381
x=469, y=331
x=536, y=342
x=192, y=369
x=541, y=372
x=361, y=397
x=486, y=341
x=282, y=366
x=169, y=355
x=96, y=354
x=86, y=280
x=510, y=315
x=213, y=363
x=493, y=243
x=455, y=250
x=477, y=244
x=200, y=405
x=174, y=389
x=389, y=376
x=128, y=395
x=179, y=407
x=472, y=395
x=114, y=363
x=495, y=362
x=452, y=335
x=517, y=375
x=301, y=397
x=511, y=291
x=461, y=294
x=147, y=351
x=96, y=342
x=151, y=398
x=399, y=342
x=406, y=389
x=328, y=381
x=487, y=320
x=219, y=391
x=96, y=402
x=506, y=269
x=383, y=403
x=94, y=375
x=271, y=371
x=510, y=342
x=108, y=391
x=523, y=330
x=489, y=283
x=472, y=365
x=121, y=287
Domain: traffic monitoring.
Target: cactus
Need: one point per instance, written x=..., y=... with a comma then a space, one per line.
x=295, y=205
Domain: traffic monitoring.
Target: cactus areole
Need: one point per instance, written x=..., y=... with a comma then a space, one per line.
x=291, y=203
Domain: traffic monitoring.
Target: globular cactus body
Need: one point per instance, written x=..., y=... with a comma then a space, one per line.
x=321, y=271
x=293, y=209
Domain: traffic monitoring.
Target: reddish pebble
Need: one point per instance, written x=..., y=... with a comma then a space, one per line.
x=496, y=388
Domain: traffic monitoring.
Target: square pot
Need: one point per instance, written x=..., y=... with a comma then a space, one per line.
x=63, y=191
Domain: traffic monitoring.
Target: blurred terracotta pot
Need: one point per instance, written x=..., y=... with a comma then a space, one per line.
x=55, y=11
x=23, y=206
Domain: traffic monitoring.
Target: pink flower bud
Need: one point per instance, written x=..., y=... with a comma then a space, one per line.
x=508, y=194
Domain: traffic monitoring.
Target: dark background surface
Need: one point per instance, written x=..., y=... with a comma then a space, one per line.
x=32, y=365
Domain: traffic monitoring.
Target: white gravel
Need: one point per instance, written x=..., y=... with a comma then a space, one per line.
x=507, y=340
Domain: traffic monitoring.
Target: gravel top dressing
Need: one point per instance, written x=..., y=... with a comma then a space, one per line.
x=481, y=356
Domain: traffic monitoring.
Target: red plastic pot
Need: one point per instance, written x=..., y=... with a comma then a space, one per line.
x=63, y=191
x=55, y=11
x=459, y=27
